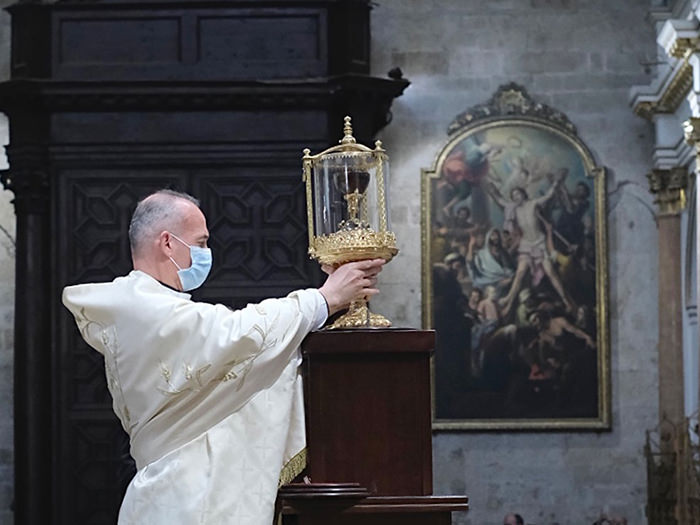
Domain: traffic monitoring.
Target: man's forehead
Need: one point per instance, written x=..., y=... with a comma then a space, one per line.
x=191, y=212
x=194, y=219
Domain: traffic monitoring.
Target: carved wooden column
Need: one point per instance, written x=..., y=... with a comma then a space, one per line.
x=669, y=186
x=28, y=178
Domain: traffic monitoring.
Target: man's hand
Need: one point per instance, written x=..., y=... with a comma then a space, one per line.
x=350, y=282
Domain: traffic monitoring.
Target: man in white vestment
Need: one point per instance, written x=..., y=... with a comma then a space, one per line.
x=211, y=398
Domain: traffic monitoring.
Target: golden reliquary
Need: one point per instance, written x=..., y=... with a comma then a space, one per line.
x=346, y=202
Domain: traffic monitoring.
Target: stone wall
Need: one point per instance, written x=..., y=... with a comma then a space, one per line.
x=581, y=57
x=7, y=298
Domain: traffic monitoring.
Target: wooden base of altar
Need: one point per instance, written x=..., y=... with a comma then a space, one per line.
x=369, y=436
x=304, y=504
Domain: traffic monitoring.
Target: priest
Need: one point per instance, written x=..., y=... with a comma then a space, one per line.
x=211, y=397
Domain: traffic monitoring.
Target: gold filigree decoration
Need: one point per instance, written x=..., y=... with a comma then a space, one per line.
x=353, y=245
x=510, y=100
x=359, y=316
x=293, y=468
x=381, y=196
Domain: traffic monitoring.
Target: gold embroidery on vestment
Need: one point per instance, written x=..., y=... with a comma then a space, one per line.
x=293, y=468
x=109, y=342
x=193, y=381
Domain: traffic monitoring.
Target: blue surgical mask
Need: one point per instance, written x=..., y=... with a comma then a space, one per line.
x=194, y=276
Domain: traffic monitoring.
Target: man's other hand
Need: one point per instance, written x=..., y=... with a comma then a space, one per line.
x=350, y=282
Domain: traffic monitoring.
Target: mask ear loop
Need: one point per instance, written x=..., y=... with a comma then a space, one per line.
x=183, y=242
x=176, y=265
x=178, y=238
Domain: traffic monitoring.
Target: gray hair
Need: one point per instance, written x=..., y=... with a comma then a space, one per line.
x=155, y=213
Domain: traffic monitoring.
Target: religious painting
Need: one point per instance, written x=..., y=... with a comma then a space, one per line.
x=515, y=272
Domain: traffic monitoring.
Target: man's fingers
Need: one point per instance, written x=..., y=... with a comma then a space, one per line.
x=351, y=281
x=370, y=281
x=370, y=263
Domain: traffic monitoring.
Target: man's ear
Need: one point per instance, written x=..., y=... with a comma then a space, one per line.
x=164, y=241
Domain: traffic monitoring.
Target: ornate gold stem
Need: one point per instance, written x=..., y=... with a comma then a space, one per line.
x=359, y=316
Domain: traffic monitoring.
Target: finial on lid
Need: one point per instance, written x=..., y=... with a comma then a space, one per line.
x=347, y=130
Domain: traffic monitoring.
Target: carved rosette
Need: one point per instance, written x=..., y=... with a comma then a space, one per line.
x=511, y=100
x=669, y=188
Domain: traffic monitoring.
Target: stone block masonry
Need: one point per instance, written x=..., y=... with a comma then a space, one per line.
x=581, y=57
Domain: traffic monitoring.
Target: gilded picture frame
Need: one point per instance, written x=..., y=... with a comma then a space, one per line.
x=514, y=272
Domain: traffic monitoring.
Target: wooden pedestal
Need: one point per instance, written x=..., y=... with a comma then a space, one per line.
x=381, y=510
x=367, y=396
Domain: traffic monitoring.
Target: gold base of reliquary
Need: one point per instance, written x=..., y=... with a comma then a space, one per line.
x=355, y=245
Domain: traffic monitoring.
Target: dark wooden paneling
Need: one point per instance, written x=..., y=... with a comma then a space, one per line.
x=90, y=42
x=247, y=42
x=184, y=127
x=250, y=41
x=111, y=100
x=258, y=229
x=98, y=472
x=368, y=409
x=31, y=42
